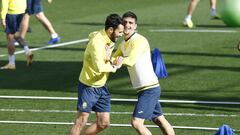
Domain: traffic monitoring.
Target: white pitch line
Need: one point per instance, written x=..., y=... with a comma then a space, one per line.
x=193, y=30
x=128, y=113
x=122, y=100
x=51, y=46
x=113, y=125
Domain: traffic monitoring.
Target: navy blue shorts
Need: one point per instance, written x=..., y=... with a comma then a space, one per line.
x=93, y=99
x=13, y=23
x=34, y=7
x=147, y=106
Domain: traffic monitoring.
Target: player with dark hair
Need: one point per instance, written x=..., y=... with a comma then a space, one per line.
x=136, y=54
x=93, y=95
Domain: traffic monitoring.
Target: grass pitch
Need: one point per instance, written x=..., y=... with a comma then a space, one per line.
x=201, y=66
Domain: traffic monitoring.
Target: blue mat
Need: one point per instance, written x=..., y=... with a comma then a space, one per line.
x=158, y=64
x=225, y=130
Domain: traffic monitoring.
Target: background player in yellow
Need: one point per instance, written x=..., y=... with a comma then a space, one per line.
x=93, y=95
x=11, y=15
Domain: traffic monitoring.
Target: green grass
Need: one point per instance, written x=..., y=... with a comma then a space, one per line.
x=201, y=66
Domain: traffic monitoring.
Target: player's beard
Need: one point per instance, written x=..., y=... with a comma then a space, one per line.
x=113, y=37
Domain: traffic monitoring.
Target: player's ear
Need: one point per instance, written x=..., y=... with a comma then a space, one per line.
x=111, y=30
x=135, y=27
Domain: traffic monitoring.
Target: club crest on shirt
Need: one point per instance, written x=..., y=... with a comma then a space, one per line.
x=84, y=105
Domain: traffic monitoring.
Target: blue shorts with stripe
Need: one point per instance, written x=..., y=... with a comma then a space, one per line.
x=13, y=22
x=147, y=106
x=34, y=7
x=93, y=99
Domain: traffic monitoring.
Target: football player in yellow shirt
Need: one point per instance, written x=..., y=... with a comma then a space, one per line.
x=93, y=95
x=11, y=15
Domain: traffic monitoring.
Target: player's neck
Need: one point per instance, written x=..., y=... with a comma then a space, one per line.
x=128, y=36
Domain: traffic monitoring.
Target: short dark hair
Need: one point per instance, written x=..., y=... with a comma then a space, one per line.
x=130, y=14
x=113, y=20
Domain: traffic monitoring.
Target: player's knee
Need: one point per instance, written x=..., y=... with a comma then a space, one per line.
x=81, y=120
x=103, y=125
x=21, y=41
x=159, y=120
x=40, y=16
x=135, y=124
x=79, y=123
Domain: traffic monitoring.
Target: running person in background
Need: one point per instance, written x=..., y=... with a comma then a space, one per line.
x=11, y=15
x=137, y=57
x=34, y=7
x=192, y=6
x=93, y=95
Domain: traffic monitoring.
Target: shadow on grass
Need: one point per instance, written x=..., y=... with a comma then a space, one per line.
x=209, y=107
x=86, y=23
x=102, y=24
x=201, y=54
x=50, y=76
x=63, y=76
x=183, y=68
x=199, y=96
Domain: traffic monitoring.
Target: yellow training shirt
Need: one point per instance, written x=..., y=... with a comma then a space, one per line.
x=13, y=7
x=96, y=68
x=137, y=58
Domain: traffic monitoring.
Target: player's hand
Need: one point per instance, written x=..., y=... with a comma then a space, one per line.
x=3, y=22
x=118, y=62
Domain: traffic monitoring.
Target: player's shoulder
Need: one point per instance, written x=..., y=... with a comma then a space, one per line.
x=140, y=38
x=92, y=34
x=96, y=38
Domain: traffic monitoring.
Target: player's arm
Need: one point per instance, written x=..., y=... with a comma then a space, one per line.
x=4, y=12
x=99, y=62
x=137, y=50
x=118, y=52
x=117, y=58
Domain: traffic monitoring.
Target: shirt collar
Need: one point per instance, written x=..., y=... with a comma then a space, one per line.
x=106, y=38
x=130, y=36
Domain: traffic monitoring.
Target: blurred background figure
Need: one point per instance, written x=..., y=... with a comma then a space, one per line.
x=11, y=17
x=34, y=7
x=192, y=6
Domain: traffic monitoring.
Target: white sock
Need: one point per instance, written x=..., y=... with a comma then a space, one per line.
x=26, y=49
x=188, y=17
x=54, y=35
x=11, y=59
x=213, y=12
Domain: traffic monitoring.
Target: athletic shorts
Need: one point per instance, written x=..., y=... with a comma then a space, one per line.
x=147, y=106
x=34, y=7
x=93, y=99
x=13, y=22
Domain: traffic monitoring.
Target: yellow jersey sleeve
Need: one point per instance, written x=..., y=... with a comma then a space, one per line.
x=13, y=7
x=98, y=55
x=4, y=9
x=96, y=68
x=138, y=47
x=118, y=52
